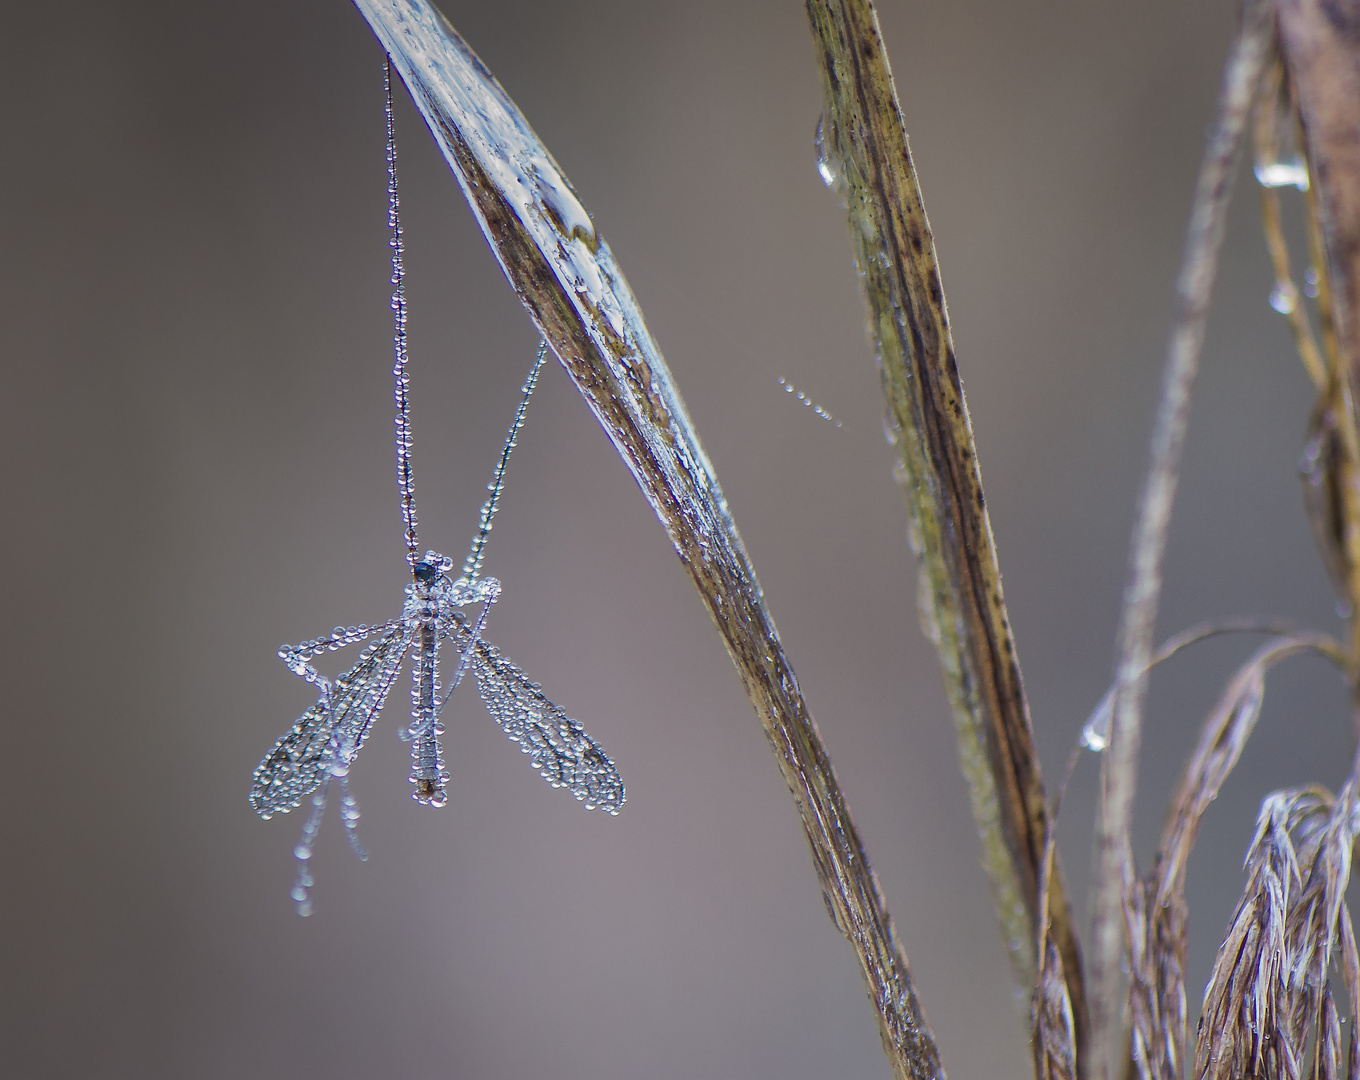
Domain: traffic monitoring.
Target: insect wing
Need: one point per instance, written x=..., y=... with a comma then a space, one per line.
x=297, y=762
x=563, y=754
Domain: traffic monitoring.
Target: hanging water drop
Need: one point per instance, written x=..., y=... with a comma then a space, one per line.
x=1284, y=297
x=1095, y=735
x=1280, y=174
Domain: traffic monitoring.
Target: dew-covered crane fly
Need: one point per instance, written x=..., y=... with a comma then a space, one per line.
x=321, y=746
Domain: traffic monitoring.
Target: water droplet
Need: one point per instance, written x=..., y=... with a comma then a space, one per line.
x=1095, y=735
x=1279, y=174
x=562, y=207
x=1092, y=740
x=828, y=164
x=1284, y=297
x=789, y=388
x=1310, y=282
x=302, y=852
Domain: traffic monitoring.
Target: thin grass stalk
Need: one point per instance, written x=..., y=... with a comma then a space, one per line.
x=566, y=277
x=866, y=157
x=1320, y=43
x=1114, y=873
x=1331, y=455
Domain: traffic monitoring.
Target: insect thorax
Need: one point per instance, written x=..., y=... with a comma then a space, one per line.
x=434, y=594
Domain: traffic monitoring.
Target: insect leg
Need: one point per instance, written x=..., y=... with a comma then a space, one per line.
x=305, y=846
x=349, y=817
x=298, y=657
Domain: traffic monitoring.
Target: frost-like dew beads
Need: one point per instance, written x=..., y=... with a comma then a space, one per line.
x=320, y=748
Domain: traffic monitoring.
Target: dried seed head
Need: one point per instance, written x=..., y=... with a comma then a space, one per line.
x=1268, y=998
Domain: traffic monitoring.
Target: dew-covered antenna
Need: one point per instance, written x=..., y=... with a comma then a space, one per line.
x=473, y=565
x=405, y=479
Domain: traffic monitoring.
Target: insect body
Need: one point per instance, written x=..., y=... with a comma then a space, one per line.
x=326, y=737
x=319, y=749
x=321, y=746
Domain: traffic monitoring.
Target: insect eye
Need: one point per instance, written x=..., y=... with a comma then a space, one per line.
x=426, y=572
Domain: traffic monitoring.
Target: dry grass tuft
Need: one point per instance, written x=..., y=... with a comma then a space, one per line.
x=1244, y=1029
x=1269, y=1005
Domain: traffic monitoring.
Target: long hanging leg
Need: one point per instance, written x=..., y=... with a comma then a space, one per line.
x=298, y=657
x=349, y=817
x=305, y=846
x=343, y=716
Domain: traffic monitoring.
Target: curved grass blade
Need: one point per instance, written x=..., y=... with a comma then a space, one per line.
x=567, y=278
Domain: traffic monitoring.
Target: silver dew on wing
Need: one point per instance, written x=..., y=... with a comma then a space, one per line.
x=561, y=750
x=296, y=764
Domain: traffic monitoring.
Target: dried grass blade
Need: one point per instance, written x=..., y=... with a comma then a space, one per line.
x=1327, y=1057
x=1320, y=43
x=566, y=276
x=1320, y=40
x=1350, y=971
x=1156, y=933
x=1052, y=1038
x=1327, y=474
x=1053, y=1034
x=1220, y=745
x=1315, y=931
x=1114, y=873
x=864, y=145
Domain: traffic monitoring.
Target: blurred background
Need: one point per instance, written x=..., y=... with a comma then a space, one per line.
x=196, y=465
